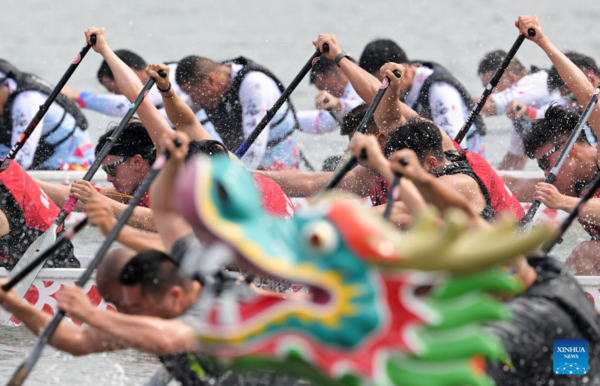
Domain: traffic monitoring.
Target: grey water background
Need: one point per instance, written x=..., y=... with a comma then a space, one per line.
x=44, y=36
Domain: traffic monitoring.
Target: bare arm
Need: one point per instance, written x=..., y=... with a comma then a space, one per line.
x=434, y=191
x=573, y=77
x=297, y=183
x=552, y=198
x=170, y=225
x=149, y=334
x=130, y=85
x=68, y=337
x=179, y=113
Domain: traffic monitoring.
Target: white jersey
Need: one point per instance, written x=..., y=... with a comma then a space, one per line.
x=257, y=94
x=448, y=110
x=54, y=127
x=531, y=89
x=322, y=121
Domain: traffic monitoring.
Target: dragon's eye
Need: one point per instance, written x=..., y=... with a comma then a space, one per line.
x=321, y=237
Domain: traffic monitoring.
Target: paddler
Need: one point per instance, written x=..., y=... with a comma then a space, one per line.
x=236, y=94
x=60, y=141
x=428, y=88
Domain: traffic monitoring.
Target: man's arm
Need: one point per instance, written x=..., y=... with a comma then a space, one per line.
x=573, y=77
x=179, y=113
x=68, y=337
x=548, y=195
x=130, y=85
x=170, y=225
x=434, y=191
x=100, y=214
x=149, y=334
x=298, y=183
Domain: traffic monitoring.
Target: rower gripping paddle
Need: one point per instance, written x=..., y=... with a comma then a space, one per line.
x=348, y=161
x=25, y=368
x=528, y=218
x=44, y=108
x=243, y=149
x=490, y=87
x=47, y=240
x=391, y=196
x=594, y=185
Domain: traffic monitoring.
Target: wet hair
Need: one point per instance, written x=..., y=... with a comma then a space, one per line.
x=207, y=147
x=322, y=67
x=558, y=124
x=155, y=271
x=133, y=140
x=492, y=60
x=131, y=59
x=354, y=117
x=583, y=62
x=379, y=52
x=420, y=135
x=194, y=69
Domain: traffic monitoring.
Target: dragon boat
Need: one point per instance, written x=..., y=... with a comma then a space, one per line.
x=42, y=292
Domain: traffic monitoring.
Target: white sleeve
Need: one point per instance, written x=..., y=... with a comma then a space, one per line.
x=531, y=90
x=349, y=100
x=24, y=108
x=447, y=107
x=515, y=144
x=316, y=121
x=258, y=93
x=108, y=104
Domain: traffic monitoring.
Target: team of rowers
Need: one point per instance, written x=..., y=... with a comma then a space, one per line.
x=214, y=107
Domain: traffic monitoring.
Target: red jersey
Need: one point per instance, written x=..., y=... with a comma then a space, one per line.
x=502, y=199
x=30, y=213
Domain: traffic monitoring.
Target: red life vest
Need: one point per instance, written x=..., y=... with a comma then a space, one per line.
x=274, y=200
x=30, y=213
x=502, y=199
x=592, y=229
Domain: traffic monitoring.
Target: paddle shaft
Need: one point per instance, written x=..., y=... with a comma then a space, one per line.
x=41, y=258
x=243, y=149
x=108, y=145
x=348, y=161
x=594, y=185
x=490, y=87
x=44, y=108
x=26, y=367
x=390, y=194
x=563, y=156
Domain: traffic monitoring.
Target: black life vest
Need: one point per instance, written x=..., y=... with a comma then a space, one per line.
x=227, y=116
x=441, y=74
x=460, y=165
x=30, y=213
x=30, y=82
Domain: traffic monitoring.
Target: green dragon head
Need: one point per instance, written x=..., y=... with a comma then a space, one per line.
x=383, y=307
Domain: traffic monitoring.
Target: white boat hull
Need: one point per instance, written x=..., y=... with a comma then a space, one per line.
x=42, y=294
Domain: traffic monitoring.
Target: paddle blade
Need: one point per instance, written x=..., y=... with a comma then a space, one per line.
x=24, y=369
x=42, y=243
